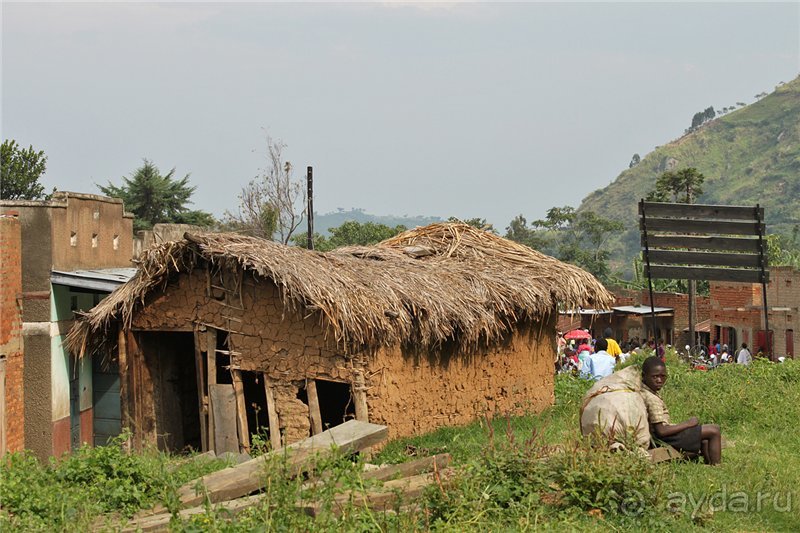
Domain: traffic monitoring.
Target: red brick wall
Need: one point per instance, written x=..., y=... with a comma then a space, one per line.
x=11, y=327
x=738, y=306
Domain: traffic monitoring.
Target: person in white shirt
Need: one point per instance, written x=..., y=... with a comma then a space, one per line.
x=626, y=352
x=744, y=357
x=600, y=364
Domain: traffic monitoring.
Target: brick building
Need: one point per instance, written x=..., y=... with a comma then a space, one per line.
x=737, y=312
x=59, y=256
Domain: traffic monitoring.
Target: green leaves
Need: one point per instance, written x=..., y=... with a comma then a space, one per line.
x=154, y=198
x=20, y=170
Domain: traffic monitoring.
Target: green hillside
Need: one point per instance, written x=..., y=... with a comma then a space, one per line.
x=749, y=156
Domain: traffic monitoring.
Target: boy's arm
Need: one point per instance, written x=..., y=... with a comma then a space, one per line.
x=667, y=430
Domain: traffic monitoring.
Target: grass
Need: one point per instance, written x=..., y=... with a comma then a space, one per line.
x=530, y=472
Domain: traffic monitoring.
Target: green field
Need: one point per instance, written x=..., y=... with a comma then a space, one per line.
x=523, y=473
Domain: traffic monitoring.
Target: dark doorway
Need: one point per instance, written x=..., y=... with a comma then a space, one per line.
x=170, y=357
x=255, y=401
x=335, y=403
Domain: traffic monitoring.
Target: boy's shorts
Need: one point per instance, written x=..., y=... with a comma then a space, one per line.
x=688, y=440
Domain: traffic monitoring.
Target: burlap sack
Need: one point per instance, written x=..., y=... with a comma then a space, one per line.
x=614, y=409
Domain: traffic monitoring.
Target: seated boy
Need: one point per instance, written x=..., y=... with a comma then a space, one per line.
x=689, y=437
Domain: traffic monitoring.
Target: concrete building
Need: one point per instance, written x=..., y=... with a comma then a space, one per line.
x=59, y=257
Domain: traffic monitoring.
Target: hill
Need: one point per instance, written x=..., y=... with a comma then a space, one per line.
x=750, y=156
x=323, y=222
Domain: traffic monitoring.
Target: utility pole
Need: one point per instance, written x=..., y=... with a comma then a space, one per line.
x=692, y=289
x=310, y=208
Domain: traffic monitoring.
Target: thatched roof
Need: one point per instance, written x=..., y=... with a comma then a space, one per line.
x=439, y=283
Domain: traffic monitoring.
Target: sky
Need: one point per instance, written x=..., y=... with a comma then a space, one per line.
x=463, y=109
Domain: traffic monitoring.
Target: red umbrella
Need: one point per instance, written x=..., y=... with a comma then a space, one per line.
x=577, y=334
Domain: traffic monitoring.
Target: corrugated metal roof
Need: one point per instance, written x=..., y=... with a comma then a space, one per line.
x=98, y=279
x=642, y=309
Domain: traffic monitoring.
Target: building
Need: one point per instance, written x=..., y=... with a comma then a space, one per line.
x=219, y=336
x=59, y=257
x=737, y=312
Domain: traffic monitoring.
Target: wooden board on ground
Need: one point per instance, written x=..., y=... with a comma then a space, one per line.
x=418, y=466
x=223, y=406
x=243, y=479
x=395, y=493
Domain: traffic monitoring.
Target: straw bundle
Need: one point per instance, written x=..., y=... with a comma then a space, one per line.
x=446, y=282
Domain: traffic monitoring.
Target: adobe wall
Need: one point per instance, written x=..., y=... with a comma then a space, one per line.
x=737, y=306
x=783, y=297
x=416, y=394
x=12, y=437
x=409, y=394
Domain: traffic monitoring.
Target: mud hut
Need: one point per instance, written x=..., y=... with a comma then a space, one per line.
x=221, y=336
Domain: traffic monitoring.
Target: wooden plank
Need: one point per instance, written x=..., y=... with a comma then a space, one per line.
x=124, y=375
x=241, y=412
x=202, y=392
x=716, y=227
x=716, y=212
x=223, y=405
x=359, y=389
x=243, y=479
x=160, y=522
x=706, y=273
x=313, y=407
x=722, y=244
x=391, y=494
x=675, y=257
x=272, y=416
x=410, y=468
x=211, y=375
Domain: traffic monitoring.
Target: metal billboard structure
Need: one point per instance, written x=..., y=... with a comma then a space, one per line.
x=704, y=242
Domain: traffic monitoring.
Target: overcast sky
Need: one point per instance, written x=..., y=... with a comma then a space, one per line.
x=461, y=110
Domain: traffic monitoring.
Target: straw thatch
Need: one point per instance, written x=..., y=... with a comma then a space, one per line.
x=435, y=284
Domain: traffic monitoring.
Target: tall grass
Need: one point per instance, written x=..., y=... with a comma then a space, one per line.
x=529, y=472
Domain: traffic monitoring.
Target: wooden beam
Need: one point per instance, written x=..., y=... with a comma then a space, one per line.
x=706, y=273
x=434, y=463
x=202, y=392
x=359, y=390
x=675, y=257
x=716, y=212
x=720, y=244
x=717, y=227
x=211, y=374
x=124, y=375
x=243, y=479
x=272, y=415
x=313, y=407
x=241, y=411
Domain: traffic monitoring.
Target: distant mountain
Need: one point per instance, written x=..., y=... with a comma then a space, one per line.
x=323, y=222
x=749, y=156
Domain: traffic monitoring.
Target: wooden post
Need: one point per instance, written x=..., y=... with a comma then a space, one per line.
x=122, y=357
x=202, y=396
x=360, y=396
x=313, y=407
x=211, y=365
x=241, y=411
x=272, y=415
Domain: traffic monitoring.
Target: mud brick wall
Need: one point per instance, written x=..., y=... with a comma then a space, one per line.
x=11, y=329
x=413, y=395
x=736, y=305
x=410, y=393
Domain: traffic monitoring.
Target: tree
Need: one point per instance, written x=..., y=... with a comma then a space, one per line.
x=351, y=233
x=683, y=186
x=573, y=237
x=635, y=160
x=20, y=170
x=272, y=203
x=154, y=198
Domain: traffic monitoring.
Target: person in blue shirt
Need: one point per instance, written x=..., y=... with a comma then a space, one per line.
x=600, y=364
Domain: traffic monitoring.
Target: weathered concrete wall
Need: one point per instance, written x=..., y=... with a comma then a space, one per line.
x=12, y=431
x=91, y=232
x=410, y=394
